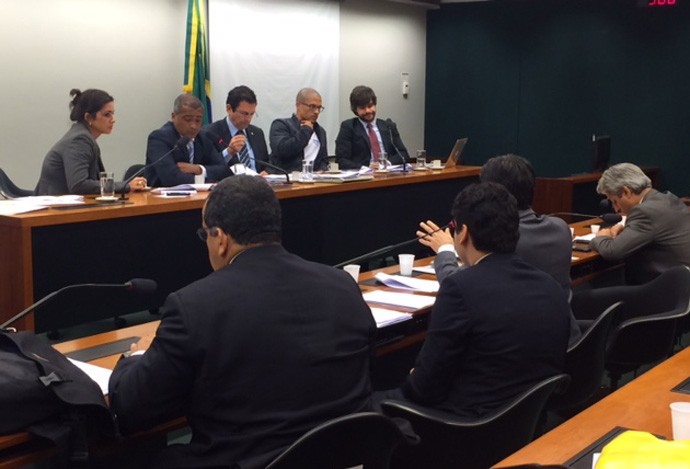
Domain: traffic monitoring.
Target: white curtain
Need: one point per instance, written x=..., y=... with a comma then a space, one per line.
x=276, y=47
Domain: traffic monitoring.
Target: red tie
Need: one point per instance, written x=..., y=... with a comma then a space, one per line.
x=374, y=142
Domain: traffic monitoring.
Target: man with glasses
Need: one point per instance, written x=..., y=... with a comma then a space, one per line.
x=244, y=143
x=300, y=137
x=254, y=355
x=363, y=138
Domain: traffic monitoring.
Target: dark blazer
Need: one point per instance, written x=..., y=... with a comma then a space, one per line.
x=165, y=173
x=353, y=149
x=656, y=237
x=288, y=140
x=72, y=165
x=545, y=243
x=255, y=136
x=251, y=371
x=497, y=328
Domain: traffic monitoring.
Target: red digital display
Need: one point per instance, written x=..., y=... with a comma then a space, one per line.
x=661, y=3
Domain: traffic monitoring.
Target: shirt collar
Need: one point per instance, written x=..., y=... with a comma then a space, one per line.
x=233, y=129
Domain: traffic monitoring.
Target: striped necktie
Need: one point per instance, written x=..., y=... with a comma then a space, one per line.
x=244, y=152
x=190, y=151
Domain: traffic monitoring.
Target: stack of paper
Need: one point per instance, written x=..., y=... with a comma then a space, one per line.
x=386, y=317
x=407, y=283
x=406, y=300
x=584, y=238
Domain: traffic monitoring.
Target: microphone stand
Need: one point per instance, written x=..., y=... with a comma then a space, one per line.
x=52, y=295
x=391, y=124
x=179, y=144
x=385, y=249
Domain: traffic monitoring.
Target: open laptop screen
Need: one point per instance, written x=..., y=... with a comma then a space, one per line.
x=455, y=157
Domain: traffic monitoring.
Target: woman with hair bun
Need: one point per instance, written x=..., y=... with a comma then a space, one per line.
x=73, y=164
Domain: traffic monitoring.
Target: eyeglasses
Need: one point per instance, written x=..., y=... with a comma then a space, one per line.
x=452, y=226
x=314, y=107
x=246, y=114
x=203, y=233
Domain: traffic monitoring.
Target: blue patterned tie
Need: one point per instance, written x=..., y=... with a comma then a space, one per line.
x=244, y=152
x=190, y=151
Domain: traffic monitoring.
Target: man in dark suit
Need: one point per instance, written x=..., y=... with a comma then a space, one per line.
x=656, y=234
x=199, y=158
x=545, y=242
x=251, y=371
x=245, y=142
x=499, y=326
x=300, y=137
x=363, y=138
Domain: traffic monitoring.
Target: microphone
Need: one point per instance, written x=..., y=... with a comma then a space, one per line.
x=385, y=249
x=270, y=165
x=391, y=124
x=609, y=219
x=182, y=142
x=135, y=285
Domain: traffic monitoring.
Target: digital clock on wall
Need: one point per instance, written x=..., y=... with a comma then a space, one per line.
x=657, y=3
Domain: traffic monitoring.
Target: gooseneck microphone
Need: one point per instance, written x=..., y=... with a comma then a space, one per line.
x=391, y=124
x=135, y=285
x=233, y=160
x=607, y=218
x=386, y=249
x=181, y=143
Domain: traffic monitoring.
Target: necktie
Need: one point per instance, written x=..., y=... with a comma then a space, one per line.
x=190, y=151
x=374, y=142
x=244, y=152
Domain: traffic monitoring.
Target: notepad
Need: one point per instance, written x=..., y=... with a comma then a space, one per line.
x=386, y=317
x=407, y=283
x=406, y=300
x=584, y=238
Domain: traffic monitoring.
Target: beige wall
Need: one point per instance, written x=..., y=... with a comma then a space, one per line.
x=134, y=50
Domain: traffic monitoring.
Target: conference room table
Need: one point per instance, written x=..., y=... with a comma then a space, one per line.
x=402, y=338
x=149, y=236
x=642, y=404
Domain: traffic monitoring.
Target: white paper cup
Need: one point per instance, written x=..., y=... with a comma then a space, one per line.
x=595, y=228
x=436, y=164
x=199, y=179
x=406, y=261
x=353, y=270
x=680, y=420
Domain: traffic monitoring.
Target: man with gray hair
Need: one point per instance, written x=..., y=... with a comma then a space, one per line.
x=656, y=233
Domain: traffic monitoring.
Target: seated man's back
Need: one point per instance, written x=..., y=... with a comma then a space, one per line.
x=255, y=354
x=496, y=328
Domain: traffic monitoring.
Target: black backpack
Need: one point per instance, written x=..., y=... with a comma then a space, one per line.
x=43, y=393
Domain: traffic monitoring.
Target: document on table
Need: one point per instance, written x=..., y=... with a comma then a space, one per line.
x=97, y=373
x=407, y=283
x=425, y=269
x=386, y=317
x=407, y=300
x=14, y=207
x=584, y=238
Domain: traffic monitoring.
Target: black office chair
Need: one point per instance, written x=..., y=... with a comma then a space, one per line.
x=365, y=438
x=9, y=190
x=132, y=170
x=655, y=307
x=448, y=441
x=584, y=363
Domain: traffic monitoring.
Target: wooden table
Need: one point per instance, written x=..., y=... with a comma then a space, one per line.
x=642, y=404
x=154, y=237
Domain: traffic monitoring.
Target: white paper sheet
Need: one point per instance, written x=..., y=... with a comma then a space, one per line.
x=407, y=283
x=386, y=317
x=97, y=373
x=407, y=300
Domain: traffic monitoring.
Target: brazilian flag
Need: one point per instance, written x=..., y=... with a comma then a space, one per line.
x=196, y=66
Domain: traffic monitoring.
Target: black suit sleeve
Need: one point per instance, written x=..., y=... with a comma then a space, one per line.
x=286, y=145
x=393, y=156
x=343, y=147
x=446, y=341
x=166, y=170
x=155, y=387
